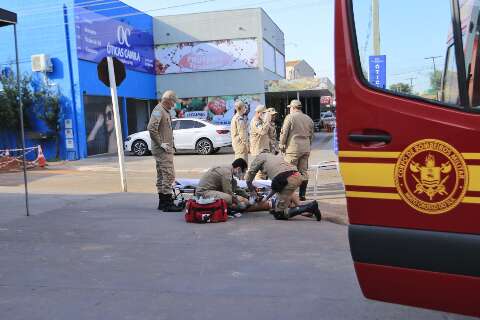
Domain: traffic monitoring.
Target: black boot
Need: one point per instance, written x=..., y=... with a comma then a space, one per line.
x=168, y=205
x=311, y=207
x=303, y=190
x=161, y=201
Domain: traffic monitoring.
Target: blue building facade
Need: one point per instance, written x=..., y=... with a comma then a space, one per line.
x=76, y=35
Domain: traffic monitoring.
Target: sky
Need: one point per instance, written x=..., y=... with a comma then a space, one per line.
x=307, y=24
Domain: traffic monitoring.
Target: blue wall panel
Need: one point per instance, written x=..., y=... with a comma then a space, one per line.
x=48, y=26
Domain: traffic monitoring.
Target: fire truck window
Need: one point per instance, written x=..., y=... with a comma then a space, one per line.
x=406, y=47
x=450, y=80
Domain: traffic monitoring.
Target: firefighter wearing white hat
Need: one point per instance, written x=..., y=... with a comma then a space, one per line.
x=295, y=141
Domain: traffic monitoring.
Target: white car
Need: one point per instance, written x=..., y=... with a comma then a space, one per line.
x=189, y=134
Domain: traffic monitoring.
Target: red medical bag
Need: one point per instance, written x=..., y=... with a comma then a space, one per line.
x=215, y=211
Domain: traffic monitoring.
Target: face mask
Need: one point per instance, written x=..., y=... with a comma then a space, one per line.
x=239, y=174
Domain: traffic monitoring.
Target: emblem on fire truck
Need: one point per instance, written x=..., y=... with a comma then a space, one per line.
x=431, y=176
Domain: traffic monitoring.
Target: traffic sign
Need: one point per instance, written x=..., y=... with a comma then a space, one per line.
x=119, y=69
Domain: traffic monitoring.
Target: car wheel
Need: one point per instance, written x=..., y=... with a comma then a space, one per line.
x=140, y=148
x=204, y=146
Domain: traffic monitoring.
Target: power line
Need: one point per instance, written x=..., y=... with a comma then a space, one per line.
x=127, y=14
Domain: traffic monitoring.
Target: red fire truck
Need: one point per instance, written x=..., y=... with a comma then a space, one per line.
x=410, y=159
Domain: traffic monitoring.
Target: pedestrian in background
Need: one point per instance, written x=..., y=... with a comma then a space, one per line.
x=163, y=148
x=296, y=139
x=272, y=132
x=239, y=132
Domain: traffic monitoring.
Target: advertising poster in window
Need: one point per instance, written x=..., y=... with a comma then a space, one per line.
x=219, y=110
x=206, y=56
x=100, y=126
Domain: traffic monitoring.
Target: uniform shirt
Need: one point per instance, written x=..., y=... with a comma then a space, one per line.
x=272, y=134
x=160, y=129
x=239, y=132
x=259, y=138
x=217, y=179
x=297, y=133
x=270, y=164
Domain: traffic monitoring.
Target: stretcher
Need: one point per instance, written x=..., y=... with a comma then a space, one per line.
x=186, y=188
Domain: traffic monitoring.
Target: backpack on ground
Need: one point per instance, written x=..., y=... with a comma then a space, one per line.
x=206, y=210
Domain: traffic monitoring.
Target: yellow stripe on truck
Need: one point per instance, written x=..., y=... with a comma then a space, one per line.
x=392, y=155
x=382, y=175
x=368, y=174
x=474, y=178
x=373, y=195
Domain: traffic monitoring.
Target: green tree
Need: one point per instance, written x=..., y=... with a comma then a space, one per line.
x=435, y=83
x=48, y=108
x=401, y=88
x=9, y=109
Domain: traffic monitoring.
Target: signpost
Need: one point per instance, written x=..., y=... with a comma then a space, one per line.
x=378, y=71
x=111, y=72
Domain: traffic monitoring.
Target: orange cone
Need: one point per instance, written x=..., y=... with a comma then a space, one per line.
x=42, y=162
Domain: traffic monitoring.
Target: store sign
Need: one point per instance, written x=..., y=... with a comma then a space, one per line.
x=206, y=56
x=99, y=36
x=378, y=71
x=203, y=115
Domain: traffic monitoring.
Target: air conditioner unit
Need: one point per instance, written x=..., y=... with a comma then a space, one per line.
x=41, y=63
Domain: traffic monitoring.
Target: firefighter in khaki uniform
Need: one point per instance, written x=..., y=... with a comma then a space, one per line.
x=259, y=134
x=239, y=131
x=285, y=181
x=259, y=129
x=272, y=132
x=219, y=182
x=163, y=147
x=295, y=141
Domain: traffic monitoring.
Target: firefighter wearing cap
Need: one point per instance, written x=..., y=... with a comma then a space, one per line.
x=259, y=134
x=239, y=132
x=163, y=147
x=296, y=139
x=272, y=132
x=259, y=129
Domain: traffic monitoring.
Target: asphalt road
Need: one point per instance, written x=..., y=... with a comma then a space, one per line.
x=89, y=252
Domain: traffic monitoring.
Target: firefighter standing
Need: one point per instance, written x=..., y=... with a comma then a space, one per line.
x=259, y=134
x=272, y=132
x=239, y=131
x=259, y=129
x=285, y=181
x=163, y=147
x=296, y=139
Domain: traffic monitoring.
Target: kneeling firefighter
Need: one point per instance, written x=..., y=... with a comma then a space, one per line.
x=285, y=181
x=219, y=182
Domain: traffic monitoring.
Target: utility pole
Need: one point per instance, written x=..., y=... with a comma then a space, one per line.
x=376, y=27
x=411, y=82
x=434, y=69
